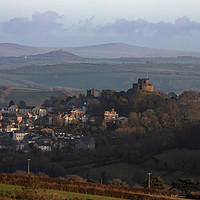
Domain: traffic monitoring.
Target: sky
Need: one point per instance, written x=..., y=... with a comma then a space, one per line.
x=64, y=23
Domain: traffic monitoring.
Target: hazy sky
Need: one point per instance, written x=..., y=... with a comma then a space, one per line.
x=153, y=23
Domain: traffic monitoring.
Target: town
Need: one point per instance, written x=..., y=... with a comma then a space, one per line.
x=24, y=128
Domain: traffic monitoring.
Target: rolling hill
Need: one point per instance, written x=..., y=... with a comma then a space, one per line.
x=53, y=57
x=116, y=50
x=12, y=49
x=111, y=50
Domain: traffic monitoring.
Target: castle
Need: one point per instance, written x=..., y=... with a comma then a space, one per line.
x=91, y=93
x=143, y=84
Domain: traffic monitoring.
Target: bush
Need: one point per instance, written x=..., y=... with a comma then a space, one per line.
x=74, y=178
x=118, y=182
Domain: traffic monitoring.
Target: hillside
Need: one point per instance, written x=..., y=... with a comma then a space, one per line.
x=116, y=50
x=12, y=49
x=85, y=190
x=110, y=50
x=58, y=54
x=53, y=57
x=118, y=76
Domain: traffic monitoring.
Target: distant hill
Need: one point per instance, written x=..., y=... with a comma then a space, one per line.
x=58, y=54
x=12, y=49
x=53, y=57
x=116, y=50
x=111, y=50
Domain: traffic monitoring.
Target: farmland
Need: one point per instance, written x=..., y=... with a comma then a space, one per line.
x=117, y=76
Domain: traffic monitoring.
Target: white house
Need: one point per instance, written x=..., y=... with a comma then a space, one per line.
x=43, y=144
x=13, y=108
x=19, y=135
x=40, y=111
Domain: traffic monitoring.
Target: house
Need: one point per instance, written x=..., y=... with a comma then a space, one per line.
x=110, y=115
x=27, y=124
x=51, y=119
x=61, y=134
x=38, y=110
x=59, y=144
x=9, y=125
x=11, y=116
x=75, y=115
x=19, y=146
x=43, y=144
x=84, y=119
x=3, y=110
x=13, y=108
x=16, y=108
x=68, y=119
x=77, y=112
x=26, y=109
x=12, y=128
x=19, y=135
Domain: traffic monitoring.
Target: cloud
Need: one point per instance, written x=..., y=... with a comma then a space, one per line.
x=41, y=23
x=46, y=23
x=182, y=26
x=46, y=29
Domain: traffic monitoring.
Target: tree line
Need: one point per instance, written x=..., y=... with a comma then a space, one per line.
x=147, y=111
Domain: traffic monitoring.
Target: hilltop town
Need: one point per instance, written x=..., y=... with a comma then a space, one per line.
x=24, y=128
x=21, y=130
x=77, y=134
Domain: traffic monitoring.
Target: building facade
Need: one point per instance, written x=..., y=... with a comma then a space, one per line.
x=110, y=115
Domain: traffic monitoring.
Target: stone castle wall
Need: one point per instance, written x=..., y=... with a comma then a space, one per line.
x=143, y=84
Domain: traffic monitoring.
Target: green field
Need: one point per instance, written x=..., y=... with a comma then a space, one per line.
x=118, y=76
x=68, y=195
x=32, y=97
x=123, y=171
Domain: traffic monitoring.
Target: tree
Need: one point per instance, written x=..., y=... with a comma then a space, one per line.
x=185, y=185
x=118, y=182
x=189, y=105
x=103, y=126
x=11, y=103
x=74, y=178
x=156, y=182
x=22, y=103
x=94, y=107
x=133, y=119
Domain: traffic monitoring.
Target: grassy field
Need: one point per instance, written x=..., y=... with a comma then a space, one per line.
x=180, y=163
x=123, y=171
x=68, y=195
x=118, y=76
x=32, y=97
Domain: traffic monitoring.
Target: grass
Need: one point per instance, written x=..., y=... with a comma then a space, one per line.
x=30, y=96
x=84, y=196
x=124, y=171
x=179, y=158
x=68, y=195
x=9, y=188
x=178, y=163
